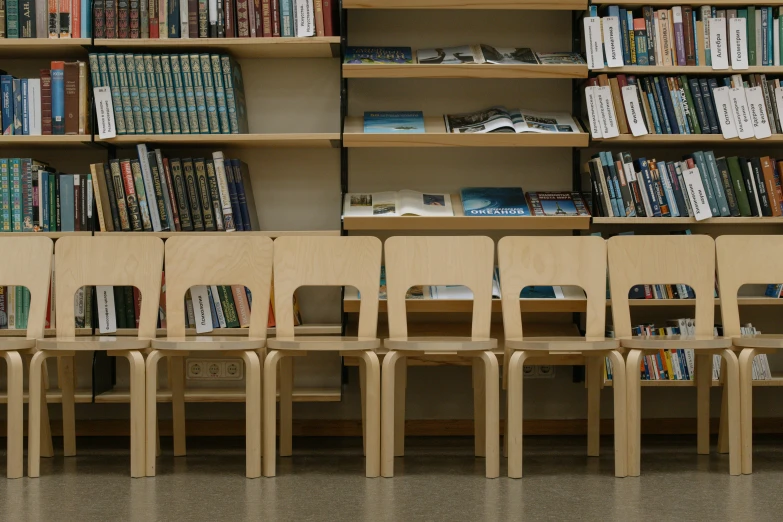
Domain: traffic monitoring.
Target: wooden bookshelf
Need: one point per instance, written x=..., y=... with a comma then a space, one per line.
x=313, y=47
x=666, y=3
x=269, y=233
x=687, y=69
x=663, y=221
x=59, y=141
x=324, y=140
x=459, y=221
x=435, y=135
x=492, y=71
x=43, y=48
x=206, y=395
x=687, y=140
x=569, y=5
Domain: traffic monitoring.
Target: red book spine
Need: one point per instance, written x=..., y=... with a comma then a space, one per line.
x=251, y=17
x=46, y=102
x=243, y=25
x=154, y=20
x=76, y=18
x=172, y=196
x=192, y=18
x=135, y=26
x=276, y=18
x=266, y=18
x=111, y=19
x=328, y=23
x=229, y=20
x=98, y=16
x=123, y=19
x=318, y=6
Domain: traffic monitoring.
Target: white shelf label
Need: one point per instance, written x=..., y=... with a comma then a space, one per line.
x=718, y=47
x=633, y=111
x=758, y=112
x=593, y=43
x=104, y=111
x=612, y=41
x=738, y=37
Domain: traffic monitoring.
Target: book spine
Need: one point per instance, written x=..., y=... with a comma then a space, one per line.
x=26, y=18
x=157, y=186
x=193, y=18
x=17, y=97
x=253, y=10
x=169, y=190
x=108, y=62
x=173, y=25
x=199, y=93
x=190, y=95
x=133, y=88
x=319, y=18
x=134, y=212
x=184, y=24
x=214, y=194
x=163, y=64
x=236, y=212
x=276, y=19
x=193, y=196
x=716, y=182
x=134, y=25
x=204, y=195
x=203, y=19
x=154, y=18
x=123, y=18
x=125, y=93
x=7, y=89
x=181, y=191
x=25, y=108
x=229, y=18
x=27, y=194
x=5, y=196
x=2, y=35
x=229, y=309
x=144, y=93
x=179, y=90
x=245, y=194
x=58, y=98
x=12, y=18
x=144, y=18
x=15, y=167
x=726, y=185
x=162, y=94
x=53, y=18
x=147, y=188
x=111, y=197
x=209, y=94
x=141, y=195
x=220, y=94
x=243, y=22
x=225, y=195
x=71, y=86
x=152, y=94
x=266, y=18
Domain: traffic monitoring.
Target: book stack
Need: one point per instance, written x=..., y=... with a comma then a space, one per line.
x=173, y=94
x=57, y=103
x=36, y=198
x=45, y=19
x=215, y=19
x=158, y=194
x=15, y=307
x=701, y=185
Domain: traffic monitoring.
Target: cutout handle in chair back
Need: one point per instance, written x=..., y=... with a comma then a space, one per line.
x=108, y=261
x=549, y=261
x=327, y=261
x=27, y=262
x=233, y=260
x=451, y=260
x=681, y=259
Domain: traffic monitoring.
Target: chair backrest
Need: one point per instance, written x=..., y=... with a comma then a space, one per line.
x=467, y=260
x=681, y=259
x=233, y=259
x=27, y=261
x=744, y=260
x=566, y=260
x=327, y=261
x=108, y=261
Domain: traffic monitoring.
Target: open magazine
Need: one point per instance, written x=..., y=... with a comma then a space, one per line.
x=400, y=203
x=477, y=54
x=499, y=119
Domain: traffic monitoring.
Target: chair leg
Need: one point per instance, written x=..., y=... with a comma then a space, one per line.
x=270, y=411
x=620, y=414
x=177, y=385
x=514, y=383
x=36, y=401
x=479, y=415
x=15, y=415
x=153, y=359
x=65, y=366
x=400, y=387
x=746, y=408
x=372, y=422
x=594, y=375
x=492, y=414
x=703, y=383
x=252, y=414
x=47, y=448
x=723, y=425
x=634, y=416
x=286, y=406
x=389, y=399
x=731, y=381
x=362, y=392
x=137, y=418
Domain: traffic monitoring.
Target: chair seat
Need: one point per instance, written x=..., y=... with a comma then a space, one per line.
x=324, y=343
x=208, y=343
x=93, y=343
x=440, y=344
x=8, y=344
x=562, y=344
x=665, y=342
x=770, y=341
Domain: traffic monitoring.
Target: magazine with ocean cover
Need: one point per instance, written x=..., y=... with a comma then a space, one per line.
x=400, y=203
x=394, y=122
x=494, y=201
x=499, y=119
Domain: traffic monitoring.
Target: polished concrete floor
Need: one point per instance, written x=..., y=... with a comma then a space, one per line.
x=437, y=480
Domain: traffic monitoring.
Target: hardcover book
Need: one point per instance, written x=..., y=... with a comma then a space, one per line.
x=394, y=122
x=396, y=55
x=494, y=201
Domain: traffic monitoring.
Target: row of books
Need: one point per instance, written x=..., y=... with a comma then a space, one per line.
x=45, y=19
x=465, y=54
x=173, y=94
x=215, y=19
x=56, y=103
x=156, y=193
x=476, y=201
x=699, y=186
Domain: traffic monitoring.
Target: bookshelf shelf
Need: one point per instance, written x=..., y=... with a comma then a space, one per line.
x=493, y=71
x=305, y=329
x=251, y=141
x=688, y=221
x=314, y=47
x=17, y=142
x=569, y=5
x=688, y=69
x=667, y=3
x=687, y=140
x=122, y=395
x=52, y=235
x=268, y=233
x=44, y=48
x=436, y=136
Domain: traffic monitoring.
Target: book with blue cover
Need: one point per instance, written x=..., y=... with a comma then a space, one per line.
x=494, y=201
x=394, y=122
x=370, y=55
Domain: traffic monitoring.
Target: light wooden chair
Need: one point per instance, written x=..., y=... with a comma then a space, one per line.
x=465, y=261
x=229, y=260
x=324, y=261
x=747, y=260
x=688, y=260
x=28, y=264
x=576, y=261
x=110, y=261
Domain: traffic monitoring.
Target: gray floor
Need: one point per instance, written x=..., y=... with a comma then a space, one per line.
x=437, y=480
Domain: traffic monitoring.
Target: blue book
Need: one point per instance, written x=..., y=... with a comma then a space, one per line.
x=652, y=194
x=66, y=203
x=617, y=208
x=538, y=292
x=494, y=201
x=17, y=95
x=773, y=291
x=287, y=18
x=770, y=37
x=394, y=122
x=86, y=20
x=7, y=93
x=666, y=96
x=25, y=109
x=241, y=195
x=58, y=101
x=359, y=55
x=626, y=45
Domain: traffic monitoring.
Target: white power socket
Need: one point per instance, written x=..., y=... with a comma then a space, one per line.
x=538, y=372
x=215, y=369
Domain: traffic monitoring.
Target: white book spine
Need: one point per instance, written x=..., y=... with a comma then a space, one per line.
x=41, y=174
x=149, y=187
x=89, y=197
x=225, y=198
x=163, y=25
x=184, y=30
x=34, y=103
x=658, y=45
x=776, y=38
x=305, y=22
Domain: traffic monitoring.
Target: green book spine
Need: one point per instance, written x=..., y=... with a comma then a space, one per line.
x=88, y=307
x=200, y=96
x=144, y=94
x=5, y=196
x=141, y=196
x=231, y=101
x=16, y=194
x=21, y=322
x=133, y=86
x=12, y=19
x=214, y=193
x=190, y=94
x=119, y=306
x=108, y=66
x=152, y=88
x=692, y=118
x=53, y=203
x=179, y=90
x=717, y=183
x=130, y=311
x=751, y=32
x=193, y=198
x=127, y=108
x=209, y=94
x=725, y=178
x=166, y=97
x=158, y=187
x=204, y=194
x=229, y=310
x=181, y=193
x=27, y=195
x=220, y=94
x=738, y=184
x=95, y=71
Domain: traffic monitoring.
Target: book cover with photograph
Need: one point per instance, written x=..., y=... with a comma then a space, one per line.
x=369, y=55
x=563, y=58
x=499, y=119
x=494, y=201
x=401, y=203
x=508, y=55
x=394, y=122
x=451, y=55
x=556, y=204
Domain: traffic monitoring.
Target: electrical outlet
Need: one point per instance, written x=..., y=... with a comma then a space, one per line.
x=195, y=369
x=215, y=369
x=528, y=371
x=233, y=369
x=545, y=371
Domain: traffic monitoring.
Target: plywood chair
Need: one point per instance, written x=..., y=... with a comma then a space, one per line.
x=575, y=261
x=465, y=261
x=325, y=261
x=106, y=261
x=28, y=264
x=230, y=260
x=688, y=260
x=746, y=260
